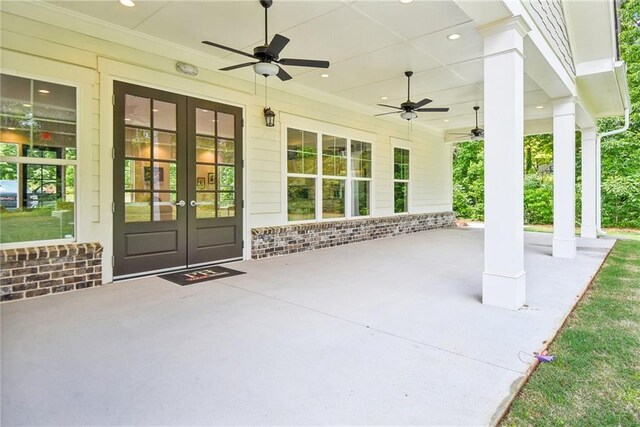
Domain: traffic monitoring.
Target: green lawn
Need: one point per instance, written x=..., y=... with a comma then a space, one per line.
x=595, y=381
x=623, y=233
x=35, y=224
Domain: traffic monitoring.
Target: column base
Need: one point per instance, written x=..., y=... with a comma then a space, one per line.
x=504, y=291
x=564, y=248
x=589, y=231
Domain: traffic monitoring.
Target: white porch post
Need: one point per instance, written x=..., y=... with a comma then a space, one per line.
x=504, y=279
x=564, y=178
x=589, y=190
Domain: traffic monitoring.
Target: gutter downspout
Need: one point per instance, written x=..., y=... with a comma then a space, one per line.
x=620, y=70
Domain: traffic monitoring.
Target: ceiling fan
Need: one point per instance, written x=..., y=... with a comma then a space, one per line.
x=267, y=55
x=408, y=109
x=476, y=133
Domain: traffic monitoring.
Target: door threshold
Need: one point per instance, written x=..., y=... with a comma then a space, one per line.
x=176, y=268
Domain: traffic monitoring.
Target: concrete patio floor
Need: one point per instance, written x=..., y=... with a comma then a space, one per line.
x=383, y=332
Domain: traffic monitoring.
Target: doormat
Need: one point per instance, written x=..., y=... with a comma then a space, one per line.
x=195, y=275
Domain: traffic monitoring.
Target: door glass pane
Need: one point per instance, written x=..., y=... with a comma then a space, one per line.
x=137, y=175
x=206, y=207
x=333, y=198
x=164, y=176
x=226, y=151
x=205, y=177
x=164, y=208
x=164, y=115
x=226, y=178
x=226, y=125
x=205, y=150
x=205, y=122
x=137, y=111
x=164, y=145
x=226, y=204
x=359, y=198
x=334, y=156
x=137, y=143
x=301, y=197
x=137, y=207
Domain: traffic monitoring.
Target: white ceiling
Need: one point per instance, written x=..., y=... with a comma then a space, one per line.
x=370, y=45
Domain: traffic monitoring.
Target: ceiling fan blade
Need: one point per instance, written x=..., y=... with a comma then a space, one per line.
x=421, y=103
x=233, y=67
x=283, y=75
x=390, y=106
x=432, y=110
x=384, y=114
x=304, y=62
x=230, y=49
x=277, y=44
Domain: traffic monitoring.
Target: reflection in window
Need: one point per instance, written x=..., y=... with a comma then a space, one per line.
x=37, y=198
x=400, y=180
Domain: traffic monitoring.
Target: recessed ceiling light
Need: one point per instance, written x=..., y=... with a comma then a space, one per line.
x=405, y=1
x=205, y=111
x=44, y=91
x=384, y=98
x=540, y=107
x=127, y=119
x=26, y=105
x=324, y=76
x=454, y=36
x=155, y=110
x=128, y=3
x=446, y=120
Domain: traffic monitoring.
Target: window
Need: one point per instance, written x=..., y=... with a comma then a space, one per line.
x=37, y=160
x=400, y=180
x=328, y=176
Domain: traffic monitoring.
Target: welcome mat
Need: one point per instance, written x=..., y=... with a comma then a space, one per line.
x=195, y=275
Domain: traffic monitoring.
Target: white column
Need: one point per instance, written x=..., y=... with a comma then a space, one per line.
x=504, y=279
x=564, y=178
x=589, y=190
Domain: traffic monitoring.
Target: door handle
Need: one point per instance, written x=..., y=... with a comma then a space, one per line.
x=181, y=203
x=193, y=203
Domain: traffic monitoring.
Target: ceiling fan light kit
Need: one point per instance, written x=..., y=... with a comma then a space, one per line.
x=408, y=109
x=267, y=57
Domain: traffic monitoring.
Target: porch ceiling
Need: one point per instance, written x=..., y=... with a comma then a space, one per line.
x=369, y=43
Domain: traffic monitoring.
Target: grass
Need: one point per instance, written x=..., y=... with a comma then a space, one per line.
x=595, y=381
x=32, y=224
x=623, y=233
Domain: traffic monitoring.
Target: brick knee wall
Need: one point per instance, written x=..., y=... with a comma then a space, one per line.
x=272, y=241
x=36, y=271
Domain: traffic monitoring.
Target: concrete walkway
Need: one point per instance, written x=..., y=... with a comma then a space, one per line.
x=384, y=332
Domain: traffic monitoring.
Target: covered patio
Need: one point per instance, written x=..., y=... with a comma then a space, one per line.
x=388, y=331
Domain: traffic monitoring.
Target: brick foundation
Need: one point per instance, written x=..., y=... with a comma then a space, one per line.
x=273, y=241
x=36, y=271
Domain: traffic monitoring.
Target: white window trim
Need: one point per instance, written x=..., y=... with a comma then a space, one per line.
x=31, y=67
x=405, y=145
x=323, y=128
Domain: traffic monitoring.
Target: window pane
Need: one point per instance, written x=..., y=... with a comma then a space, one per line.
x=400, y=197
x=226, y=125
x=8, y=149
x=137, y=207
x=205, y=122
x=164, y=208
x=400, y=163
x=334, y=156
x=164, y=115
x=137, y=175
x=226, y=204
x=137, y=143
x=164, y=176
x=205, y=150
x=301, y=196
x=360, y=159
x=41, y=207
x=164, y=145
x=333, y=198
x=137, y=111
x=226, y=151
x=360, y=198
x=302, y=149
x=206, y=205
x=205, y=177
x=226, y=178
